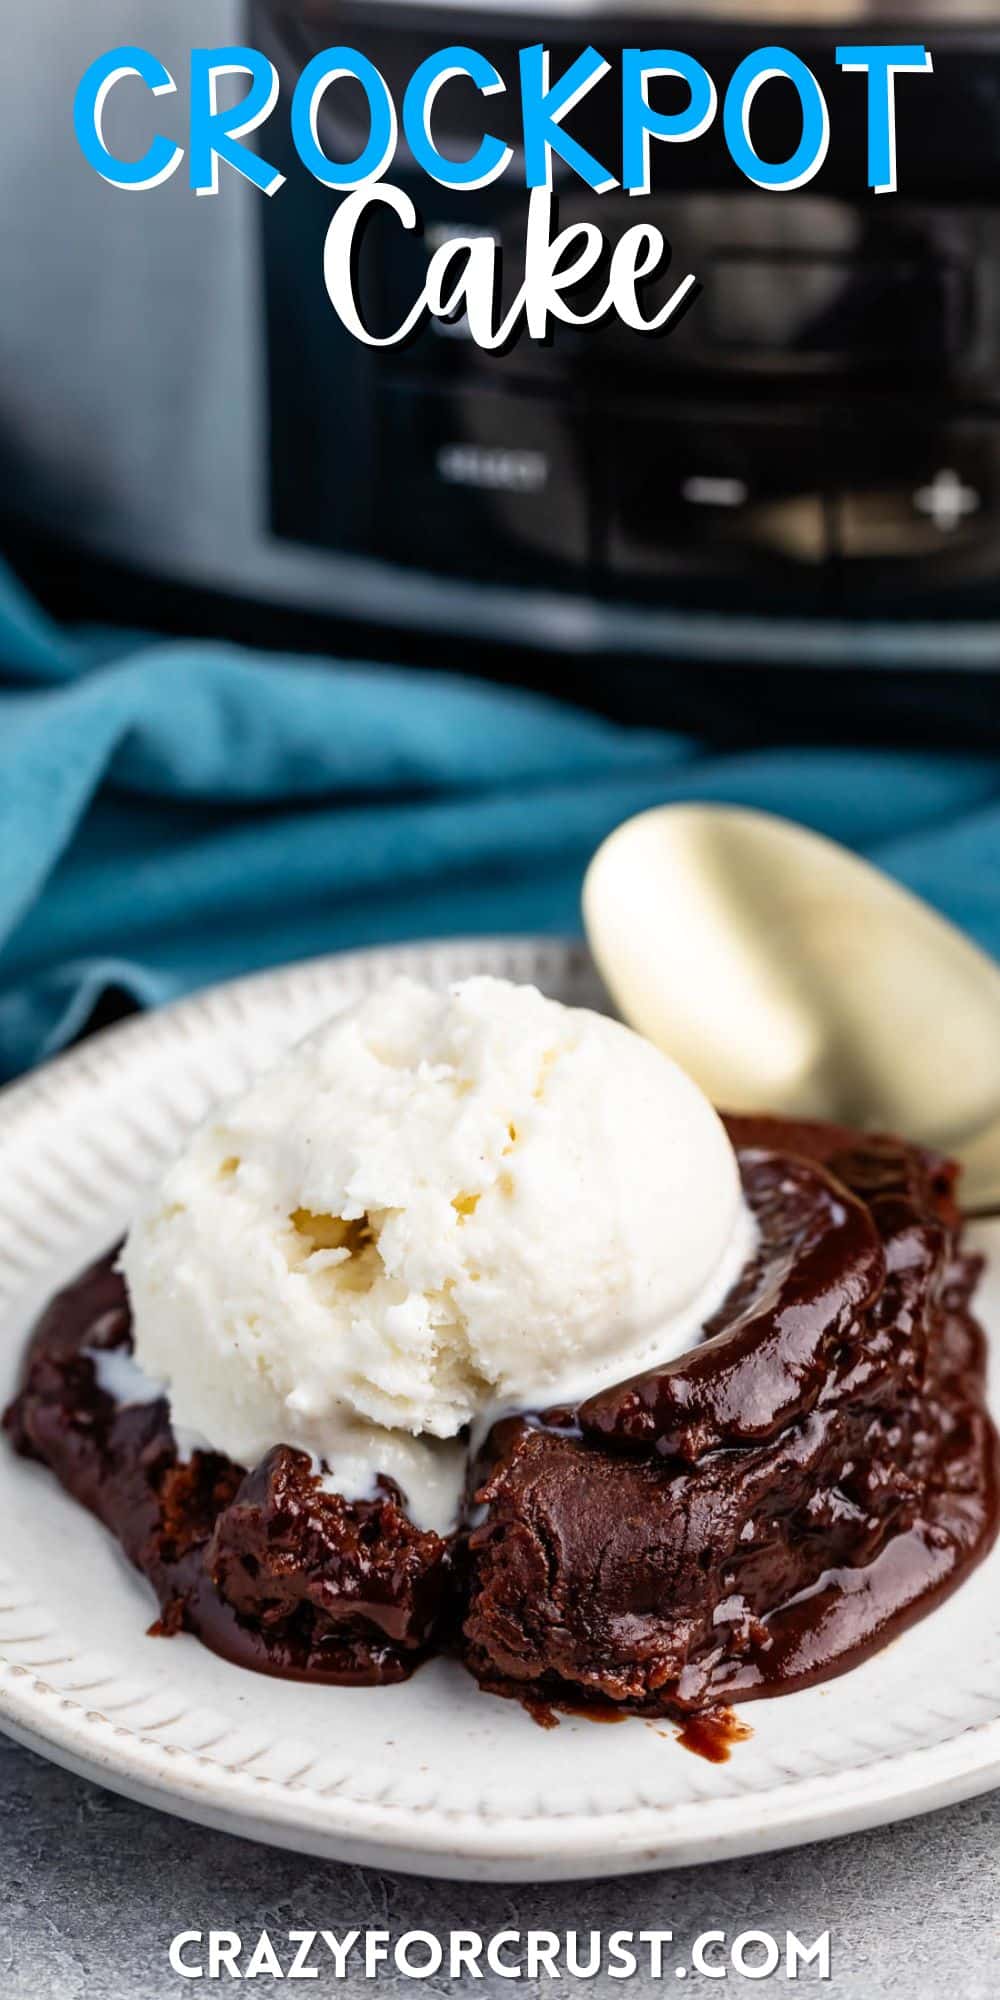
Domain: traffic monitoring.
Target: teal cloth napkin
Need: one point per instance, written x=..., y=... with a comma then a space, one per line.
x=175, y=813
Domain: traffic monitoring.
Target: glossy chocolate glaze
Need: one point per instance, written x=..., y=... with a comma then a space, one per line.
x=765, y=1360
x=815, y=1474
x=786, y=1497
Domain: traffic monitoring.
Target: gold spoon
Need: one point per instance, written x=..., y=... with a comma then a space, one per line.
x=788, y=976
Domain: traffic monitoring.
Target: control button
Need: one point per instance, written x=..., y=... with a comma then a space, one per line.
x=947, y=500
x=912, y=496
x=706, y=490
x=494, y=468
x=481, y=483
x=724, y=496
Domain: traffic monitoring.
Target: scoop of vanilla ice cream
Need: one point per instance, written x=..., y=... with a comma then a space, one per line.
x=439, y=1206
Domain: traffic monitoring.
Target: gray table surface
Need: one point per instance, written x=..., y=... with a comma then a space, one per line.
x=92, y=1889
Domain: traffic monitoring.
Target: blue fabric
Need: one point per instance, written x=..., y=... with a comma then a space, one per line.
x=171, y=814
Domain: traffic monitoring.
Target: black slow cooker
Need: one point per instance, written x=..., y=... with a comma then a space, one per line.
x=803, y=474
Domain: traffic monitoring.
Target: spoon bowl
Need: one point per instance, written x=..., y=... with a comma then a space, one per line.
x=788, y=976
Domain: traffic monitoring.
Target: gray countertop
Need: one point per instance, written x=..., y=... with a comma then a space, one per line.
x=93, y=1888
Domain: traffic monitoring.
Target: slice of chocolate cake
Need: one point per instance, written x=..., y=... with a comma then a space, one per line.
x=779, y=1501
x=267, y=1567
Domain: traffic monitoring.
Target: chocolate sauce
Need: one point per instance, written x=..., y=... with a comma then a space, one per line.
x=779, y=1502
x=815, y=1474
x=821, y=1264
x=546, y=1717
x=713, y=1734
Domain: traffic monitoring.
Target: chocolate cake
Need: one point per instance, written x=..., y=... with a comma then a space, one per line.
x=780, y=1501
x=267, y=1567
x=818, y=1471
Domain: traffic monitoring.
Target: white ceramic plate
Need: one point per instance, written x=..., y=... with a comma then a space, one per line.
x=433, y=1776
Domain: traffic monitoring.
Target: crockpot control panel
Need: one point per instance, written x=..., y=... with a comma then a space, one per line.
x=821, y=430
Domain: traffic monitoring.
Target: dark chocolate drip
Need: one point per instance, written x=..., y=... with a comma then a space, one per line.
x=820, y=1264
